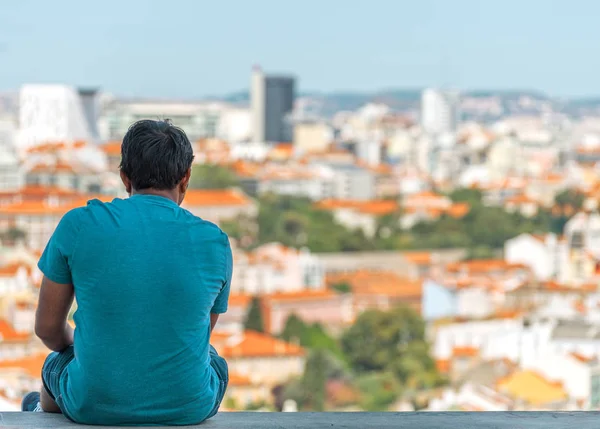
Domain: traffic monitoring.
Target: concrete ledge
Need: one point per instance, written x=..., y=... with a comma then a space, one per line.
x=454, y=420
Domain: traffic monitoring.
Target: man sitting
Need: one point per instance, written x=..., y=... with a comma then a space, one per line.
x=150, y=280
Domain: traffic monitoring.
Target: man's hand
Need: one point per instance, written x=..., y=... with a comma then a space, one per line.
x=51, y=324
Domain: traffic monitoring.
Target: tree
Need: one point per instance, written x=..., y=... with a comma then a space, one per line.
x=294, y=329
x=570, y=197
x=309, y=391
x=390, y=341
x=254, y=320
x=315, y=379
x=310, y=336
x=209, y=176
x=378, y=390
x=467, y=195
x=342, y=287
x=14, y=234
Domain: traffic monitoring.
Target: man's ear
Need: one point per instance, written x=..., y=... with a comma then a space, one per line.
x=126, y=182
x=185, y=182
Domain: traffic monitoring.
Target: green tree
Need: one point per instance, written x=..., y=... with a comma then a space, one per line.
x=570, y=197
x=390, y=341
x=254, y=319
x=310, y=336
x=467, y=195
x=314, y=380
x=13, y=234
x=210, y=176
x=309, y=391
x=378, y=390
x=342, y=287
x=294, y=329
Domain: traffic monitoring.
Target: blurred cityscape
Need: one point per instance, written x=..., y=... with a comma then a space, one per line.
x=428, y=249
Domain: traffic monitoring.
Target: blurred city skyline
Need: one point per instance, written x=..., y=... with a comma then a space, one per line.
x=196, y=49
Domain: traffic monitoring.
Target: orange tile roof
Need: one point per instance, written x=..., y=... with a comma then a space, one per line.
x=215, y=197
x=533, y=388
x=32, y=365
x=286, y=149
x=33, y=207
x=459, y=210
x=373, y=207
x=236, y=379
x=554, y=286
x=483, y=265
x=43, y=191
x=418, y=258
x=246, y=169
x=47, y=147
x=112, y=148
x=58, y=167
x=11, y=270
x=443, y=365
x=387, y=283
x=239, y=300
x=8, y=333
x=461, y=352
x=520, y=199
x=305, y=295
x=255, y=344
x=581, y=358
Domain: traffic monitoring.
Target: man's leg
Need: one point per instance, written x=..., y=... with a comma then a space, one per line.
x=47, y=401
x=52, y=371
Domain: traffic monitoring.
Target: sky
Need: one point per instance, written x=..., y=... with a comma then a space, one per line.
x=197, y=48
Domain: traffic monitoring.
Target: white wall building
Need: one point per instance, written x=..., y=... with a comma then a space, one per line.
x=439, y=111
x=51, y=113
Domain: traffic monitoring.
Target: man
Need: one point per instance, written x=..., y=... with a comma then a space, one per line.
x=150, y=280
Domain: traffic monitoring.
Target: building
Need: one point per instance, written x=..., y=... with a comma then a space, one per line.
x=274, y=268
x=541, y=253
x=263, y=358
x=218, y=205
x=91, y=110
x=272, y=102
x=439, y=111
x=51, y=113
x=197, y=119
x=332, y=310
x=11, y=171
x=312, y=136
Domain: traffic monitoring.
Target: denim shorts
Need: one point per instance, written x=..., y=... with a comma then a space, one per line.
x=54, y=367
x=57, y=362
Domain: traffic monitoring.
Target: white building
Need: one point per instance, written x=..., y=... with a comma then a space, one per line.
x=540, y=253
x=439, y=111
x=50, y=113
x=197, y=119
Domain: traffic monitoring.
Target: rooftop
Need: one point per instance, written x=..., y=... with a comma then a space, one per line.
x=245, y=420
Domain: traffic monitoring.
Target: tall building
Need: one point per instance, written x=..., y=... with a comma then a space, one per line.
x=439, y=111
x=272, y=103
x=51, y=113
x=90, y=104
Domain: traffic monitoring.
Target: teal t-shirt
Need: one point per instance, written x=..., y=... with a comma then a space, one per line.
x=147, y=274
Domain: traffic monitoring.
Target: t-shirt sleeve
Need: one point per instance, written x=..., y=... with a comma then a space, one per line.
x=56, y=260
x=220, y=305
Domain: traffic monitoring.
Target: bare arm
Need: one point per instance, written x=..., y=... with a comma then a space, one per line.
x=51, y=324
x=213, y=321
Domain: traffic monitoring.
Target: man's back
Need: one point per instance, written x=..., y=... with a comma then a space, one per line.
x=147, y=274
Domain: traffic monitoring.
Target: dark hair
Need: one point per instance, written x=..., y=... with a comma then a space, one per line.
x=155, y=154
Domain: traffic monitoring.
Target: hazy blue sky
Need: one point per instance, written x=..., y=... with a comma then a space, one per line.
x=190, y=48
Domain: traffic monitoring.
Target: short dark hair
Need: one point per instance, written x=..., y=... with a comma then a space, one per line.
x=155, y=154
